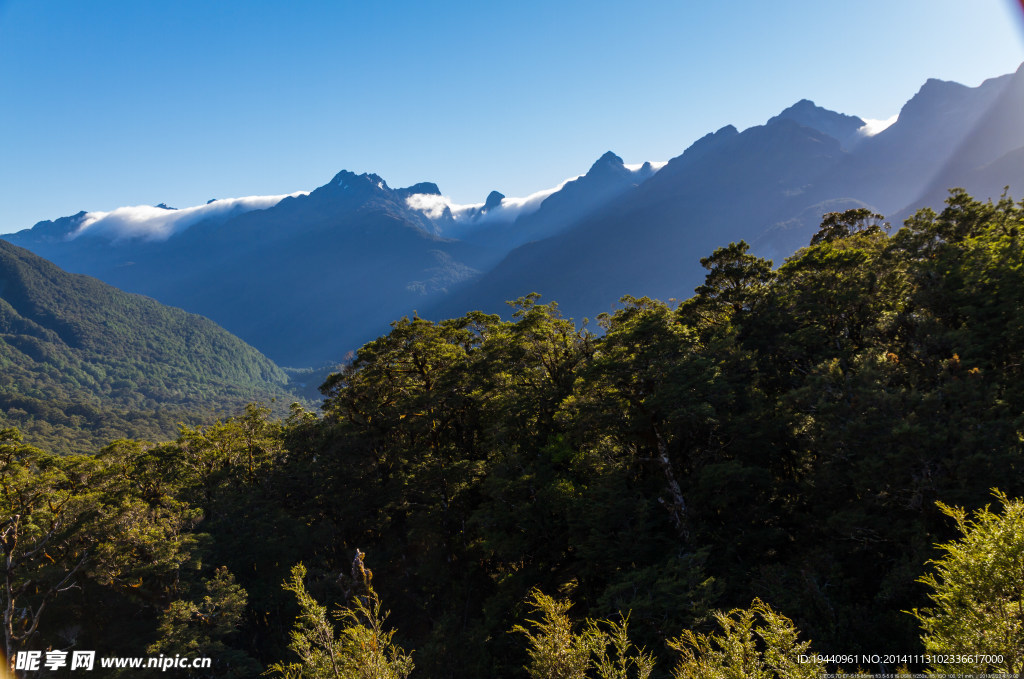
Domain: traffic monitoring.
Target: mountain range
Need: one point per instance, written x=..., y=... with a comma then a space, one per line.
x=310, y=277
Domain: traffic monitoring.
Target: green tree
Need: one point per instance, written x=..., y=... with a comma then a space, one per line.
x=556, y=650
x=623, y=656
x=735, y=281
x=754, y=643
x=198, y=628
x=228, y=455
x=110, y=522
x=48, y=521
x=361, y=649
x=838, y=225
x=978, y=592
x=645, y=369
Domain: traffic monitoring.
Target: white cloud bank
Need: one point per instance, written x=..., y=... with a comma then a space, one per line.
x=467, y=215
x=872, y=127
x=655, y=165
x=430, y=204
x=146, y=222
x=512, y=208
x=155, y=223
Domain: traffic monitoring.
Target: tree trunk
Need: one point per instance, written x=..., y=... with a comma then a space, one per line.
x=677, y=507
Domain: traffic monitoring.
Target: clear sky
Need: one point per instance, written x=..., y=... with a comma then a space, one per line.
x=112, y=103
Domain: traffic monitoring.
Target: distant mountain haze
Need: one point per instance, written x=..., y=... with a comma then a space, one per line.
x=308, y=278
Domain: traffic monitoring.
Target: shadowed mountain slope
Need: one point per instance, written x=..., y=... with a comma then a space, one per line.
x=768, y=185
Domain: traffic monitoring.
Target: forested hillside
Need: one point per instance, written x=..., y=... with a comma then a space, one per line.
x=784, y=434
x=82, y=363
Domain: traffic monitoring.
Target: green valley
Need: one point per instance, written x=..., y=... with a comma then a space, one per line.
x=82, y=363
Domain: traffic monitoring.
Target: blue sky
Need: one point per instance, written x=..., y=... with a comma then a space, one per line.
x=106, y=104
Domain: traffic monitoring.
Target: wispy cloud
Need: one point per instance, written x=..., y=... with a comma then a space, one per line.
x=655, y=165
x=467, y=215
x=872, y=127
x=430, y=204
x=154, y=223
x=512, y=208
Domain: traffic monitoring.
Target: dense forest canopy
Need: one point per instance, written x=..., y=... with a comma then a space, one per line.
x=774, y=446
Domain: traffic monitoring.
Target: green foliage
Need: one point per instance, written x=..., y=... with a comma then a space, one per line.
x=753, y=643
x=555, y=650
x=840, y=225
x=602, y=649
x=977, y=593
x=199, y=628
x=71, y=522
x=623, y=656
x=49, y=516
x=362, y=649
x=734, y=283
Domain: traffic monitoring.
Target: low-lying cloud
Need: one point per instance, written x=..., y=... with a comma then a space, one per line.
x=655, y=165
x=468, y=216
x=871, y=127
x=513, y=208
x=430, y=204
x=156, y=223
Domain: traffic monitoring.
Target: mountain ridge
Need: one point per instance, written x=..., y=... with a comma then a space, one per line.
x=315, y=275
